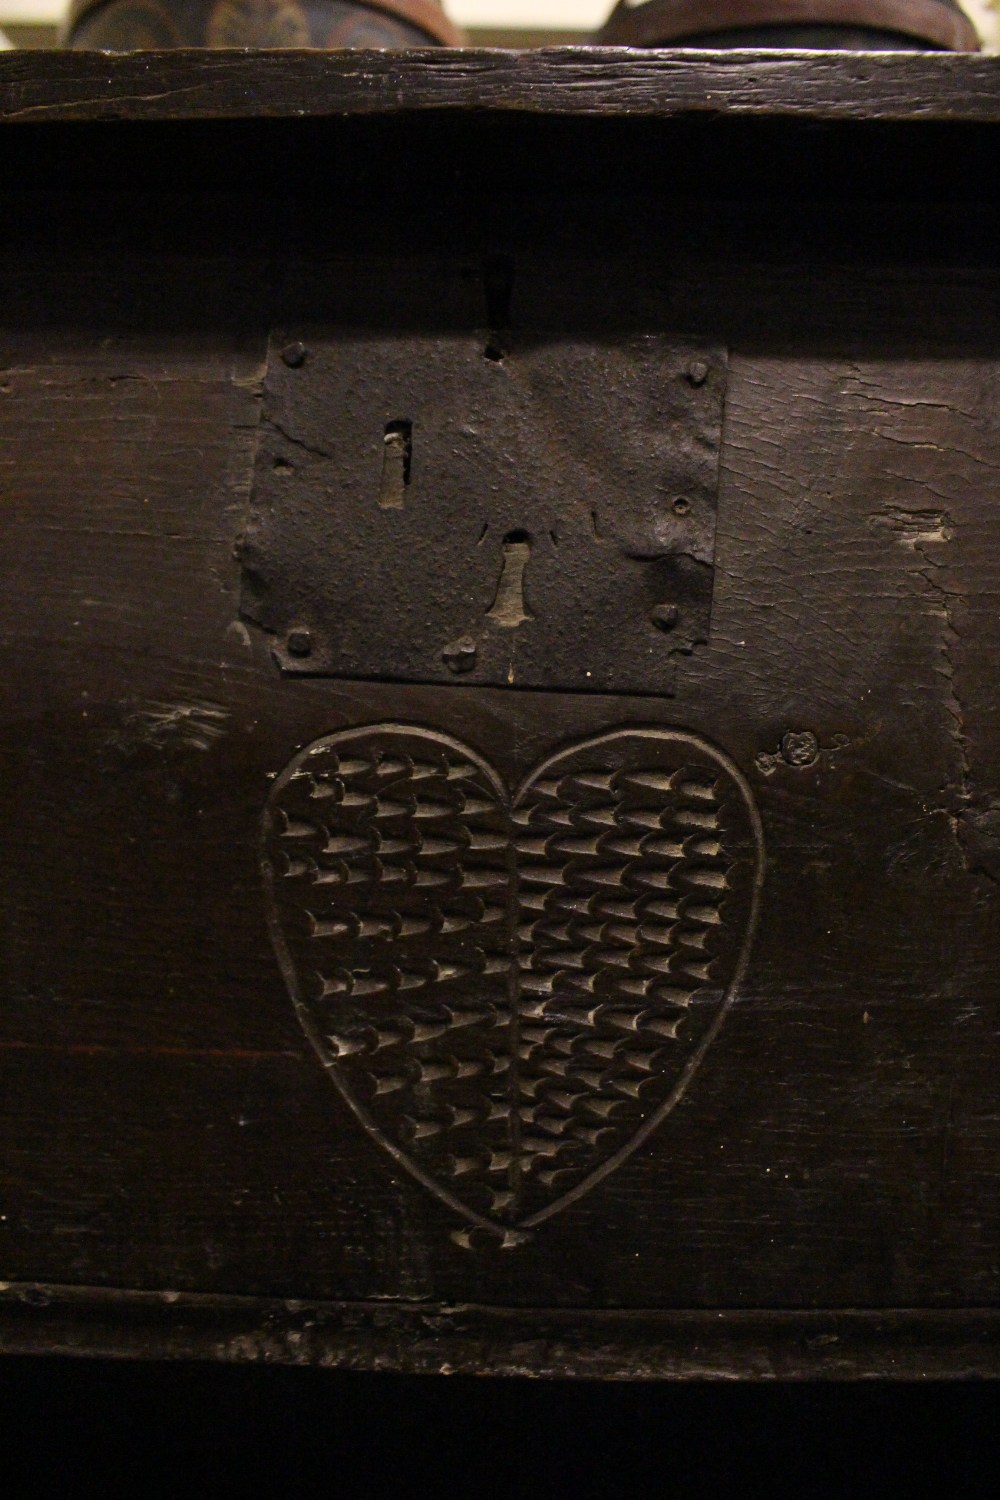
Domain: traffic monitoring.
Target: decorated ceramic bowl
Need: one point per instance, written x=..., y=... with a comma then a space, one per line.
x=141, y=25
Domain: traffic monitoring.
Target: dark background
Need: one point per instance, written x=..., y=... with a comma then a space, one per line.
x=212, y=1430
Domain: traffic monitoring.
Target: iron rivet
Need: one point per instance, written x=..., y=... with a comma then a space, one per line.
x=294, y=355
x=697, y=372
x=299, y=642
x=460, y=655
x=664, y=616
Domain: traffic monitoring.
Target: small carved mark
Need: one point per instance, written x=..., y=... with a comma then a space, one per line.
x=681, y=505
x=914, y=529
x=979, y=828
x=479, y=1238
x=195, y=725
x=800, y=749
x=509, y=608
x=397, y=458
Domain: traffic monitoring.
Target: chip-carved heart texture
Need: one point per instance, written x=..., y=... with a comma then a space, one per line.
x=511, y=991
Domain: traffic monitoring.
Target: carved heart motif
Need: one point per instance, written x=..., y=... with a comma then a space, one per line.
x=511, y=991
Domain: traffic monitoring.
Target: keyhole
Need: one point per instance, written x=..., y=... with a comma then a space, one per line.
x=397, y=456
x=509, y=607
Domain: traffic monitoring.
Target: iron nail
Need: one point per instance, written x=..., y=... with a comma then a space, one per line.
x=460, y=655
x=664, y=616
x=299, y=642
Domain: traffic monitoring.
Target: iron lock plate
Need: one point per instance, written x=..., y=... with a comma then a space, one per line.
x=435, y=509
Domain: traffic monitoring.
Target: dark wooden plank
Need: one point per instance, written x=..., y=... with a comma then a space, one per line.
x=449, y=1339
x=568, y=81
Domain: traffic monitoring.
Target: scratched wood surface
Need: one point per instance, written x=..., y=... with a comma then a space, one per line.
x=562, y=80
x=171, y=1143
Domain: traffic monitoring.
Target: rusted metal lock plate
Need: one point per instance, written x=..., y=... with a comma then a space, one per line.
x=433, y=509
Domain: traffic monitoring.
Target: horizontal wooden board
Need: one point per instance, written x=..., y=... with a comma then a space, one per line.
x=470, y=1339
x=572, y=81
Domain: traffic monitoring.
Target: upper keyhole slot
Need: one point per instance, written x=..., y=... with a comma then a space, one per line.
x=397, y=460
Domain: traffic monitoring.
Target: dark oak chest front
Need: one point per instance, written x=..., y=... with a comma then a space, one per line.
x=500, y=741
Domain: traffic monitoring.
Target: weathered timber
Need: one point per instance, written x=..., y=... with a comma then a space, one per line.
x=573, y=81
x=375, y=1016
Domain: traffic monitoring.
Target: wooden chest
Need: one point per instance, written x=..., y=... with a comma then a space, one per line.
x=500, y=739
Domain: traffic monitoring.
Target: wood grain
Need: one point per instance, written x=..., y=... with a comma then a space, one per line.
x=470, y=1339
x=176, y=1166
x=573, y=81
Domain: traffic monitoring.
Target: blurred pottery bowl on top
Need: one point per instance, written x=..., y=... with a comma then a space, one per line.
x=843, y=25
x=145, y=25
